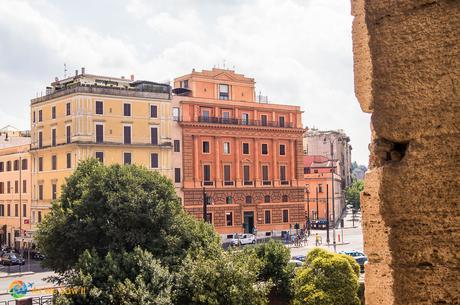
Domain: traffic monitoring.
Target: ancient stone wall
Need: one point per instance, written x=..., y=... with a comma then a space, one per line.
x=407, y=74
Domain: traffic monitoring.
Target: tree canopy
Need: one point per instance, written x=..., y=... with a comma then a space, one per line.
x=117, y=208
x=352, y=193
x=326, y=279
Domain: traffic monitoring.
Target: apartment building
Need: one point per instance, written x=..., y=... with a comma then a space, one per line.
x=323, y=187
x=242, y=157
x=116, y=120
x=322, y=143
x=15, y=187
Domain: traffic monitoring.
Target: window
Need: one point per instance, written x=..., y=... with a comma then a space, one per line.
x=67, y=134
x=2, y=167
x=285, y=198
x=127, y=134
x=53, y=191
x=33, y=117
x=16, y=165
x=24, y=210
x=53, y=112
x=177, y=175
x=285, y=215
x=153, y=111
x=176, y=114
x=229, y=218
x=24, y=164
x=126, y=158
x=40, y=115
x=205, y=115
x=267, y=199
x=185, y=84
x=40, y=164
x=226, y=148
x=283, y=173
x=268, y=216
x=245, y=148
x=8, y=210
x=154, y=135
x=226, y=116
x=100, y=156
x=39, y=216
x=223, y=92
x=206, y=172
x=176, y=145
x=68, y=160
x=227, y=171
x=263, y=120
x=265, y=173
x=154, y=160
x=282, y=150
x=306, y=170
x=229, y=200
x=248, y=199
x=127, y=109
x=99, y=133
x=2, y=210
x=315, y=171
x=67, y=109
x=205, y=147
x=53, y=162
x=281, y=121
x=246, y=173
x=245, y=119
x=99, y=107
x=53, y=137
x=16, y=210
x=16, y=186
x=264, y=149
x=2, y=187
x=320, y=188
x=40, y=192
x=40, y=139
x=24, y=186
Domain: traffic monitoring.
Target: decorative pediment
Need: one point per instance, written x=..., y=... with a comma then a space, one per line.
x=224, y=76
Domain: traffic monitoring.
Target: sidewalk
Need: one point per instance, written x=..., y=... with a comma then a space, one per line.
x=16, y=274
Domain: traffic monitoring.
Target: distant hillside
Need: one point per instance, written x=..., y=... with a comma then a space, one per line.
x=358, y=171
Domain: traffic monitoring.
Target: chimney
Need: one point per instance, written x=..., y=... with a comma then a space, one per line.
x=82, y=70
x=132, y=77
x=76, y=72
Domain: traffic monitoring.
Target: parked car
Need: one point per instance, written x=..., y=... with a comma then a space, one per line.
x=9, y=259
x=243, y=239
x=38, y=256
x=359, y=257
x=297, y=262
x=299, y=258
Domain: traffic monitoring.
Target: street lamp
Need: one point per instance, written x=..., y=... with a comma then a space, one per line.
x=308, y=212
x=332, y=141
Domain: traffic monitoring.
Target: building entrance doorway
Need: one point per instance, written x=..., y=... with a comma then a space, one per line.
x=248, y=222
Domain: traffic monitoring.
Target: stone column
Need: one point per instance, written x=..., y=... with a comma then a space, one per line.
x=196, y=161
x=217, y=166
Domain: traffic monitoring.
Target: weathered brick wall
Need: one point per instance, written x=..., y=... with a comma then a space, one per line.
x=407, y=66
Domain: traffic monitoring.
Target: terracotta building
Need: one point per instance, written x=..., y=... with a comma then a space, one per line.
x=246, y=155
x=318, y=186
x=15, y=187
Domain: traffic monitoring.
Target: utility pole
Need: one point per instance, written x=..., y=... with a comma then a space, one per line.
x=308, y=212
x=317, y=206
x=327, y=214
x=333, y=195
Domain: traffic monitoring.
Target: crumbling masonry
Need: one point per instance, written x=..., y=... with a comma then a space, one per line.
x=407, y=68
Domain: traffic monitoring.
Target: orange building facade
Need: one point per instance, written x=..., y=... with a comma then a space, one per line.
x=318, y=186
x=245, y=157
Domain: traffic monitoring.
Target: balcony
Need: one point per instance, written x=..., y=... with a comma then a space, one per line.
x=284, y=182
x=208, y=183
x=248, y=182
x=233, y=121
x=229, y=183
x=266, y=182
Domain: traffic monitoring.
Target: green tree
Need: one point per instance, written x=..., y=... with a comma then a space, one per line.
x=352, y=193
x=275, y=266
x=118, y=278
x=326, y=279
x=228, y=277
x=117, y=208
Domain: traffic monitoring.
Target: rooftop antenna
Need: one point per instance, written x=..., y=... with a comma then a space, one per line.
x=65, y=70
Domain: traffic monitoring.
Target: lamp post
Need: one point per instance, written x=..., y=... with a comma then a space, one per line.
x=332, y=141
x=328, y=240
x=308, y=212
x=205, y=206
x=317, y=206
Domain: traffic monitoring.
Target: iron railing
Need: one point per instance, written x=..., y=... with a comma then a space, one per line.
x=234, y=121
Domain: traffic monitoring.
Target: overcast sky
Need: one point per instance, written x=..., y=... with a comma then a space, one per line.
x=298, y=51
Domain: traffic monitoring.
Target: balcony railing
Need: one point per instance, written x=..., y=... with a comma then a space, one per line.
x=228, y=183
x=266, y=182
x=284, y=182
x=208, y=183
x=233, y=121
x=248, y=182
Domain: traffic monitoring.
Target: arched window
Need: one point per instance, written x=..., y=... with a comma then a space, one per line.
x=266, y=198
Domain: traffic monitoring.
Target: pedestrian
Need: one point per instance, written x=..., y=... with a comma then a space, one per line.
x=317, y=239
